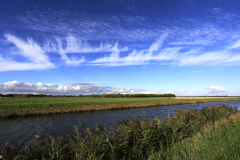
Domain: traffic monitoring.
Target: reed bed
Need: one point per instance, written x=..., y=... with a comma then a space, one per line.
x=218, y=141
x=137, y=138
x=13, y=107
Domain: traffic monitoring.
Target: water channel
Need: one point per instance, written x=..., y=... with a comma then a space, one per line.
x=22, y=130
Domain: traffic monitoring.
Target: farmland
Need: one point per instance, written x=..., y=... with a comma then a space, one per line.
x=14, y=107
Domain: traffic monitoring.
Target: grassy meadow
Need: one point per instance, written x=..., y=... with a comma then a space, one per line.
x=212, y=133
x=14, y=107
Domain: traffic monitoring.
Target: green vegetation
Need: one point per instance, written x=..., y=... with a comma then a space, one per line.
x=91, y=95
x=13, y=107
x=131, y=95
x=221, y=141
x=135, y=139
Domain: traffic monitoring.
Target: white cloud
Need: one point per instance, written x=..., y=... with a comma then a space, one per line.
x=191, y=93
x=191, y=35
x=159, y=51
x=71, y=89
x=171, y=56
x=29, y=49
x=139, y=57
x=38, y=60
x=235, y=45
x=149, y=92
x=75, y=45
x=36, y=55
x=6, y=65
x=220, y=57
x=217, y=89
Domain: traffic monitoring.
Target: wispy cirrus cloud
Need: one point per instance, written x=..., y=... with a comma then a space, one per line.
x=172, y=56
x=138, y=57
x=88, y=27
x=29, y=49
x=221, y=16
x=38, y=55
x=182, y=43
x=70, y=89
x=129, y=29
x=227, y=56
x=37, y=59
x=71, y=44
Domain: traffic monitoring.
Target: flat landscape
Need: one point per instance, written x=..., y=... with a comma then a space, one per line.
x=210, y=133
x=14, y=107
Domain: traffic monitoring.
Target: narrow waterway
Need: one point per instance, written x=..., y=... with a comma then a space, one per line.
x=21, y=131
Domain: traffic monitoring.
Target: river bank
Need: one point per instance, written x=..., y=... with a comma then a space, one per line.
x=215, y=141
x=130, y=139
x=18, y=107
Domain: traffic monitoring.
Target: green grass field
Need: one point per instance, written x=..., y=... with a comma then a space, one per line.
x=12, y=107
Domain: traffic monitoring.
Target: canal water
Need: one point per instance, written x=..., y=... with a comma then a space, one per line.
x=22, y=130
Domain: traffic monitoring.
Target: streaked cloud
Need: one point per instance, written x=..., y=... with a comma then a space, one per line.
x=37, y=59
x=139, y=57
x=128, y=29
x=71, y=44
x=37, y=55
x=172, y=55
x=68, y=89
x=121, y=40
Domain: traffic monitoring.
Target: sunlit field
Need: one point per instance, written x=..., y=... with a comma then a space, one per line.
x=201, y=97
x=13, y=107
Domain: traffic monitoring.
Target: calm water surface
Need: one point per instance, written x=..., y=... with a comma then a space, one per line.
x=21, y=131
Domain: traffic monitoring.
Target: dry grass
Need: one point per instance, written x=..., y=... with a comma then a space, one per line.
x=202, y=97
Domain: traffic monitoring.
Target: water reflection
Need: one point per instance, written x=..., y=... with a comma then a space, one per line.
x=21, y=130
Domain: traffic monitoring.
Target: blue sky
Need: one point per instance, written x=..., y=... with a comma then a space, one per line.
x=184, y=47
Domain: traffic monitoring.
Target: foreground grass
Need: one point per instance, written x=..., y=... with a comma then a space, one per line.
x=218, y=141
x=14, y=107
x=135, y=139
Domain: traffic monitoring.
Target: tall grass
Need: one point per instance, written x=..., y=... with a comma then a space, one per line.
x=219, y=141
x=134, y=139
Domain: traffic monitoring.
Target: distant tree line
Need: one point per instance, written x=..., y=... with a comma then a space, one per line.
x=131, y=95
x=91, y=95
x=24, y=95
x=105, y=95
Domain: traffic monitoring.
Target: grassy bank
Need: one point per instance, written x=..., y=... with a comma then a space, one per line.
x=135, y=139
x=14, y=107
x=218, y=141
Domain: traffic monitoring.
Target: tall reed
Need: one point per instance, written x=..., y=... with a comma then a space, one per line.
x=129, y=139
